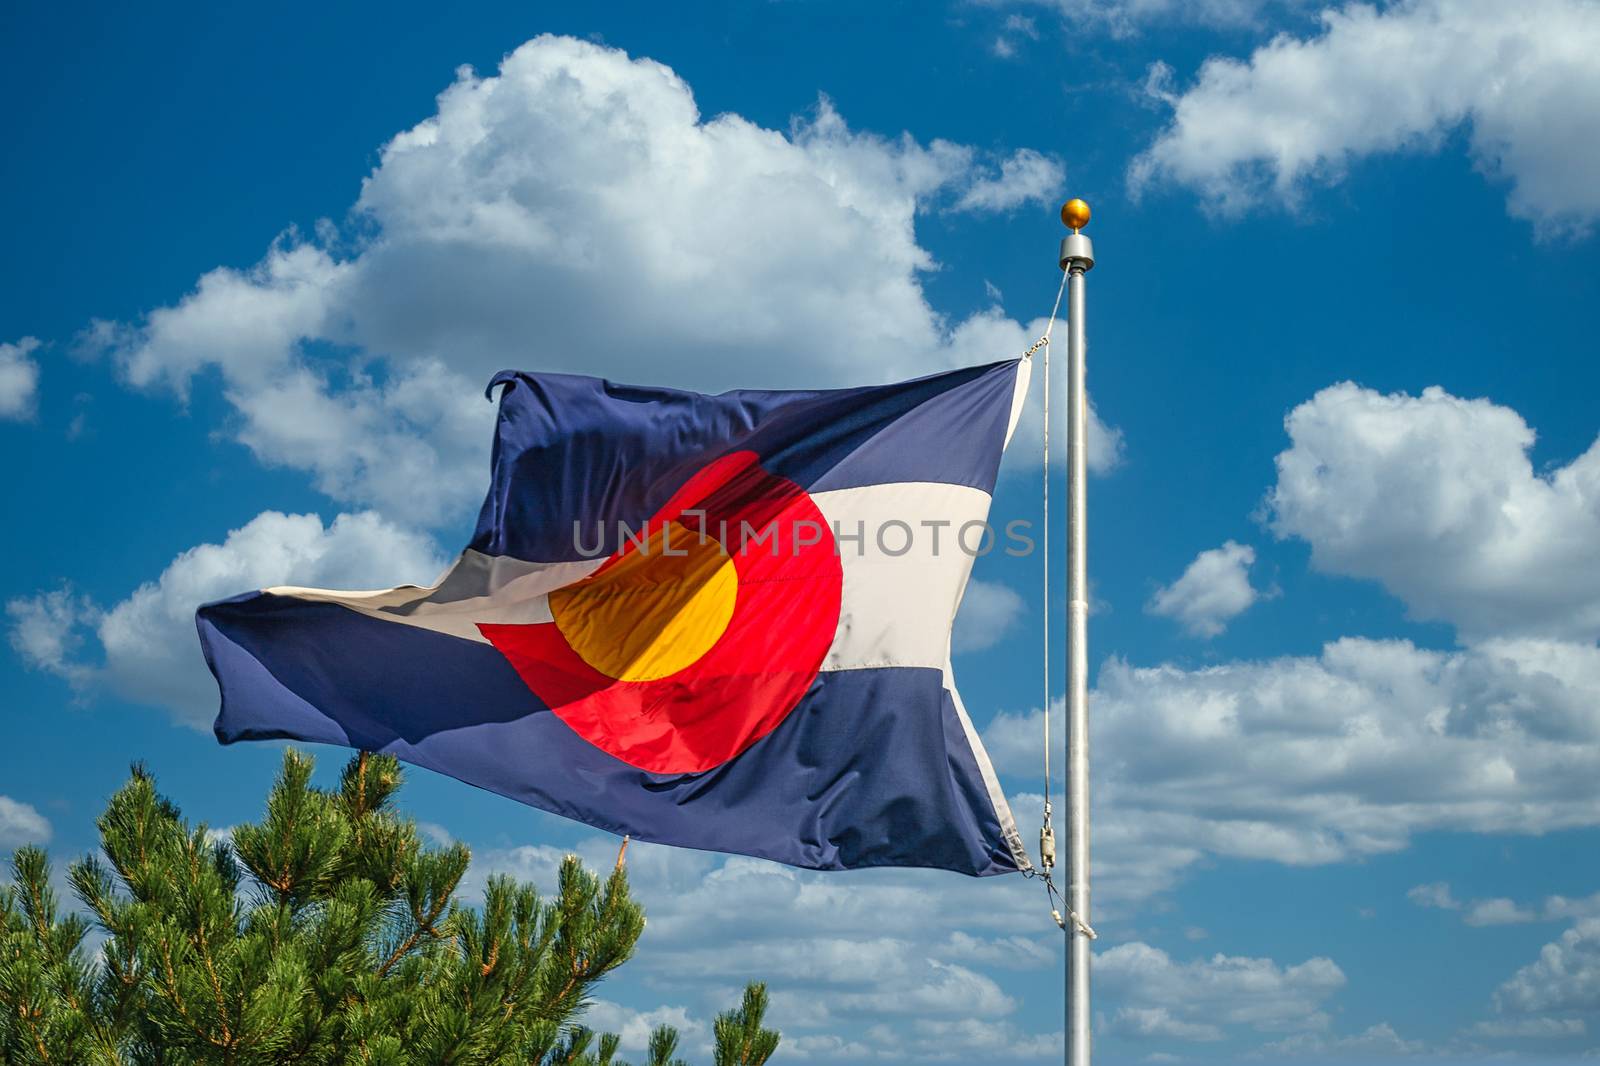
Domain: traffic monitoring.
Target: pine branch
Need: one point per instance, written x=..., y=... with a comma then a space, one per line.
x=324, y=933
x=740, y=1038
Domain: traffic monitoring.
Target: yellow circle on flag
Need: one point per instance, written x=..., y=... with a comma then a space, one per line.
x=653, y=611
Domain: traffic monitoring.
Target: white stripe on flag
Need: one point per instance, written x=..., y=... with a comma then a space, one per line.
x=900, y=550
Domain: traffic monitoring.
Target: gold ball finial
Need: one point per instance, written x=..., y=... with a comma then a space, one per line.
x=1075, y=214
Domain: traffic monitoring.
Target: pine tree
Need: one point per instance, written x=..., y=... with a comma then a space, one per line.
x=326, y=933
x=741, y=1040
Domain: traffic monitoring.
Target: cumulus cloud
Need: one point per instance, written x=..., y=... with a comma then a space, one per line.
x=1012, y=32
x=635, y=1026
x=21, y=823
x=1437, y=895
x=989, y=612
x=1503, y=911
x=1197, y=1000
x=1560, y=907
x=899, y=963
x=1013, y=740
x=1435, y=497
x=1401, y=77
x=19, y=378
x=1161, y=1023
x=45, y=631
x=1551, y=998
x=575, y=212
x=884, y=963
x=1380, y=1039
x=1026, y=177
x=1565, y=977
x=1308, y=760
x=1213, y=590
x=146, y=644
x=1327, y=758
x=1124, y=18
x=1531, y=1028
x=1498, y=911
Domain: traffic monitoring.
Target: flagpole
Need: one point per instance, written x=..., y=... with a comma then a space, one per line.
x=1077, y=259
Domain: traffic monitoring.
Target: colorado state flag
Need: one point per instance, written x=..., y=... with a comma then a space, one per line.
x=719, y=622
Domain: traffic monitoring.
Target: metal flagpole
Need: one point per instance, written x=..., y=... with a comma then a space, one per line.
x=1077, y=259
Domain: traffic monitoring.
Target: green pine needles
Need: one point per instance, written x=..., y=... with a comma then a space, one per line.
x=327, y=933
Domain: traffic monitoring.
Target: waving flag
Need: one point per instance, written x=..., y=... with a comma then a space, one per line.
x=719, y=622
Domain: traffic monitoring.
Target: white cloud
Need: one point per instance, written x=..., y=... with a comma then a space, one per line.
x=1560, y=907
x=824, y=1047
x=1531, y=1028
x=1012, y=31
x=435, y=833
x=989, y=611
x=942, y=990
x=1213, y=590
x=21, y=823
x=1026, y=177
x=1503, y=911
x=150, y=652
x=1435, y=497
x=417, y=444
x=634, y=1026
x=1327, y=758
x=246, y=322
x=886, y=963
x=1436, y=895
x=1123, y=18
x=19, y=379
x=1552, y=997
x=1498, y=911
x=1299, y=111
x=1311, y=760
x=1014, y=740
x=575, y=212
x=45, y=631
x=1158, y=1022
x=1006, y=952
x=1380, y=1039
x=1194, y=1001
x=968, y=1040
x=1565, y=977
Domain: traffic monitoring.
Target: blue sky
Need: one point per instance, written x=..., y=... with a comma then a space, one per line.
x=1345, y=524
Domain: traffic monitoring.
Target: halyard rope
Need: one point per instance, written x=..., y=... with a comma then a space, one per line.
x=1047, y=832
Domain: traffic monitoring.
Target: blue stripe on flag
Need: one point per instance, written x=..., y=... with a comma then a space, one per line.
x=580, y=449
x=864, y=772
